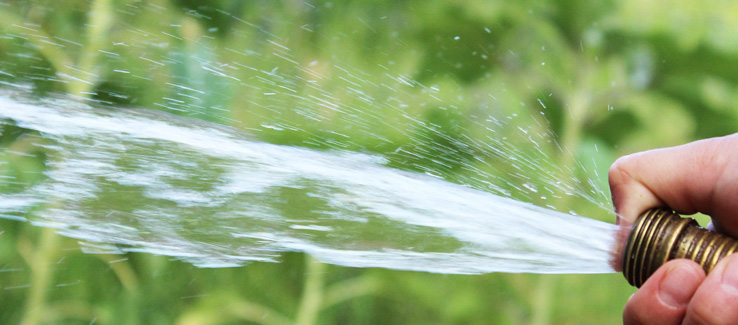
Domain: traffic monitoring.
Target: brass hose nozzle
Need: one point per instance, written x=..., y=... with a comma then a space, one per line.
x=661, y=235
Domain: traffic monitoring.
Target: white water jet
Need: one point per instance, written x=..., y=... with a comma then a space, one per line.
x=133, y=180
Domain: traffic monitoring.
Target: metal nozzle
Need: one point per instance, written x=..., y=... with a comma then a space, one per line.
x=661, y=235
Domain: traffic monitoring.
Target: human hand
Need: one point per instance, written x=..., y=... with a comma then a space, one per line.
x=697, y=177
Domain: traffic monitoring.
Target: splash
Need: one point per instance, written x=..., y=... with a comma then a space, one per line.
x=136, y=180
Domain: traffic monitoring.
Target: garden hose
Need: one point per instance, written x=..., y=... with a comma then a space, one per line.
x=660, y=235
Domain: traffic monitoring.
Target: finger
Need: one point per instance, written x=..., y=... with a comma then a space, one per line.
x=630, y=194
x=701, y=176
x=664, y=298
x=716, y=301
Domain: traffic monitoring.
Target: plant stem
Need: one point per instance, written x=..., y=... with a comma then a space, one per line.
x=574, y=118
x=312, y=292
x=41, y=274
x=542, y=300
x=85, y=75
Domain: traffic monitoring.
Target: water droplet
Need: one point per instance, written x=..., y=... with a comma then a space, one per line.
x=273, y=127
x=531, y=187
x=541, y=102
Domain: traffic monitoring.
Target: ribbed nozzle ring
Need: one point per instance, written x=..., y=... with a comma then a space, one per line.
x=661, y=235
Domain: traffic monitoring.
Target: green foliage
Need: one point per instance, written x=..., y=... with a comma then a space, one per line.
x=415, y=81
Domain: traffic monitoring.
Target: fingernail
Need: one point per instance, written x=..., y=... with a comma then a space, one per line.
x=730, y=276
x=678, y=285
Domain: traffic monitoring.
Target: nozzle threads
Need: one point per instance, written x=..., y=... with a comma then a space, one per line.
x=661, y=235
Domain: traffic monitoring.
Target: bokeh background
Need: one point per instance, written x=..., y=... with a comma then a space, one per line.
x=603, y=79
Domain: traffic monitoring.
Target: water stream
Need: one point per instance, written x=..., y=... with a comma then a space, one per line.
x=134, y=180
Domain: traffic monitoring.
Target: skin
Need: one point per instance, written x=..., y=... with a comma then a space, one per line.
x=701, y=176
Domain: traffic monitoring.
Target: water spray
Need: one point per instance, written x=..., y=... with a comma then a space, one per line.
x=661, y=235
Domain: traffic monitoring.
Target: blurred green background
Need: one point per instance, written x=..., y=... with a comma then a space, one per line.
x=604, y=79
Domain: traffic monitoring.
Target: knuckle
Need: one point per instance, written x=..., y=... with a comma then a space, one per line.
x=634, y=313
x=711, y=307
x=619, y=170
x=702, y=316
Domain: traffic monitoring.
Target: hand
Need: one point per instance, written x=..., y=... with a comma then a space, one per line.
x=697, y=177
